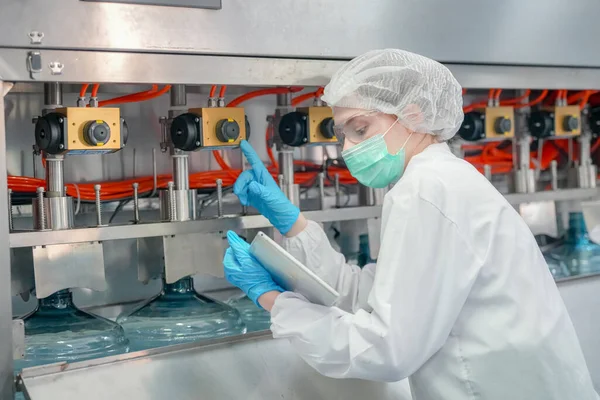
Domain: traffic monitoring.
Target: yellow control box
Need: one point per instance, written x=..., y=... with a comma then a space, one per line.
x=499, y=122
x=320, y=124
x=221, y=126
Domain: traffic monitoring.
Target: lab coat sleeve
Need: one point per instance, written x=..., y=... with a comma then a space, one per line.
x=312, y=248
x=425, y=272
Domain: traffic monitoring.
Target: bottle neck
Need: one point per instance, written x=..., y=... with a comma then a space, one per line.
x=60, y=300
x=577, y=232
x=182, y=286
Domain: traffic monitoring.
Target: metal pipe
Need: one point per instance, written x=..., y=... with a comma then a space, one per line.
x=178, y=96
x=10, y=212
x=136, y=205
x=180, y=171
x=219, y=197
x=487, y=172
x=98, y=205
x=280, y=181
x=41, y=209
x=55, y=179
x=321, y=180
x=336, y=184
x=53, y=95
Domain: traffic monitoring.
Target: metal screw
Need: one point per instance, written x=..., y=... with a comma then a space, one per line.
x=98, y=205
x=10, y=214
x=172, y=208
x=41, y=209
x=60, y=120
x=219, y=197
x=136, y=208
x=197, y=143
x=61, y=146
x=196, y=119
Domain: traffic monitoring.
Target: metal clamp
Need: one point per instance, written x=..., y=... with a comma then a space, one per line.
x=34, y=63
x=56, y=67
x=36, y=37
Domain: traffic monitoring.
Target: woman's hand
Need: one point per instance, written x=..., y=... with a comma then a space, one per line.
x=257, y=188
x=245, y=272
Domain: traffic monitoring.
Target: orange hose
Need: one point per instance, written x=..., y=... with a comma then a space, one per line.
x=213, y=91
x=262, y=92
x=307, y=96
x=222, y=91
x=95, y=89
x=84, y=89
x=137, y=97
x=535, y=101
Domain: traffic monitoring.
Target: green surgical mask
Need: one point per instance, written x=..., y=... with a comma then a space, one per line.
x=371, y=163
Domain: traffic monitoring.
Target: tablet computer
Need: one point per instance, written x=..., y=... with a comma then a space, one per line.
x=289, y=273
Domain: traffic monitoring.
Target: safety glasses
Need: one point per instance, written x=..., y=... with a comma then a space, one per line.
x=358, y=127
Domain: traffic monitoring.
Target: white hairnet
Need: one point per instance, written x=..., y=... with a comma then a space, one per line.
x=421, y=92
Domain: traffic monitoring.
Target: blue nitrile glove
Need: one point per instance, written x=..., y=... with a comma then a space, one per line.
x=244, y=271
x=257, y=188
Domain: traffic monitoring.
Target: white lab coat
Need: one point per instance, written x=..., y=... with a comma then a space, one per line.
x=460, y=300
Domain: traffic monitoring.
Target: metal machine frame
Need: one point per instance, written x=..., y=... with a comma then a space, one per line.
x=263, y=53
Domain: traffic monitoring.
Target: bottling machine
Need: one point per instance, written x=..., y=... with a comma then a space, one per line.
x=119, y=194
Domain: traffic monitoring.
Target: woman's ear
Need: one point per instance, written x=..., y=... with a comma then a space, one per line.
x=412, y=116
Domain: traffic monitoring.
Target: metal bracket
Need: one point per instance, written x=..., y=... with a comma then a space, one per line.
x=18, y=336
x=56, y=67
x=36, y=37
x=34, y=63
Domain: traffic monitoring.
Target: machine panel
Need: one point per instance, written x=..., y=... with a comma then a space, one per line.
x=468, y=31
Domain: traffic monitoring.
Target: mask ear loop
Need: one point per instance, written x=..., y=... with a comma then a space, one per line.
x=407, y=139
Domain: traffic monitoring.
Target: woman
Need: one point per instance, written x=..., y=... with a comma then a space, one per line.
x=461, y=299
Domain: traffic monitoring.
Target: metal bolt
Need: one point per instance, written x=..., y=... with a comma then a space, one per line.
x=172, y=207
x=41, y=209
x=219, y=197
x=136, y=208
x=10, y=214
x=61, y=146
x=60, y=120
x=98, y=205
x=197, y=143
x=196, y=119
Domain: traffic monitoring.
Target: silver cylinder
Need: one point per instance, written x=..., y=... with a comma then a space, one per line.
x=98, y=204
x=56, y=215
x=284, y=99
x=39, y=206
x=180, y=172
x=10, y=213
x=336, y=185
x=554, y=174
x=366, y=195
x=136, y=202
x=219, y=197
x=184, y=205
x=55, y=176
x=53, y=95
x=178, y=96
x=487, y=172
x=321, y=180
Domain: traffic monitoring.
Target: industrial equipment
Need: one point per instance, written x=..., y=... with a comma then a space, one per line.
x=135, y=234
